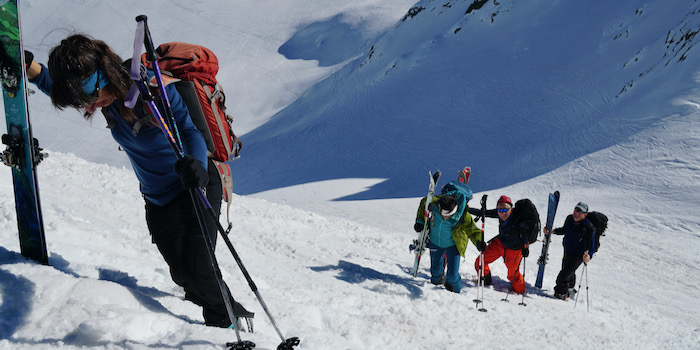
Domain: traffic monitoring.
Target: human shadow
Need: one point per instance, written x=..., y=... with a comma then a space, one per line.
x=355, y=274
x=17, y=293
x=144, y=295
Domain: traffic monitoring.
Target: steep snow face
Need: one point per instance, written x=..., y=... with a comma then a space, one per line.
x=247, y=37
x=513, y=89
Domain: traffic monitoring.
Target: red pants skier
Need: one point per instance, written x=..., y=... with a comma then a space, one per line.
x=511, y=257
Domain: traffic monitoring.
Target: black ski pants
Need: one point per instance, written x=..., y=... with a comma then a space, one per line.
x=175, y=230
x=567, y=276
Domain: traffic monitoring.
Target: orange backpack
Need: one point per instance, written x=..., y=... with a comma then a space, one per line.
x=195, y=68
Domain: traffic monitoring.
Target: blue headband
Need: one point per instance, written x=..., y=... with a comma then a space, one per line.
x=90, y=84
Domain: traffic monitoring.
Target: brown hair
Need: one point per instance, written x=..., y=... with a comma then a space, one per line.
x=75, y=59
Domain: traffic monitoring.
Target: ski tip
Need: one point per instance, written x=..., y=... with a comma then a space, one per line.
x=463, y=175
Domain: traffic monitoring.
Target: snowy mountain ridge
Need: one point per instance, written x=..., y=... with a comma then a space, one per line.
x=437, y=96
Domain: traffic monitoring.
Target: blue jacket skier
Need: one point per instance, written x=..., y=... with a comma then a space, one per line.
x=86, y=74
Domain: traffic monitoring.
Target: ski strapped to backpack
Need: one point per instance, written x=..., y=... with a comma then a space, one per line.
x=419, y=244
x=194, y=69
x=463, y=175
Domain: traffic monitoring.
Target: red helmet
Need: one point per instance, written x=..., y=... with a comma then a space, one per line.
x=504, y=199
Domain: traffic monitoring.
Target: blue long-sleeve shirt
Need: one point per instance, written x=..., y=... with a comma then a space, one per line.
x=150, y=154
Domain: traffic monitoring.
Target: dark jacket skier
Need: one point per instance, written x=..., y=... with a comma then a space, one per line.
x=579, y=247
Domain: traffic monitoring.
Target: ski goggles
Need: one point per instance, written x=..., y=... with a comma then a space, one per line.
x=503, y=211
x=94, y=83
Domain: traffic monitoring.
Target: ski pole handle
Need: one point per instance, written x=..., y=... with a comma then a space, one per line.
x=151, y=55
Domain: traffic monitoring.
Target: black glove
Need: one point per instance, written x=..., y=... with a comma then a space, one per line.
x=418, y=226
x=481, y=246
x=526, y=251
x=28, y=58
x=191, y=171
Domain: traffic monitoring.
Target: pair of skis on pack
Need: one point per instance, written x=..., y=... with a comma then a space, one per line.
x=419, y=244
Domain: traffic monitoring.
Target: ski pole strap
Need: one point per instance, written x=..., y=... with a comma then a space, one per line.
x=135, y=71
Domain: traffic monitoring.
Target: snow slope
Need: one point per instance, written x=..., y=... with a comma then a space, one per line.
x=512, y=90
x=593, y=101
x=248, y=36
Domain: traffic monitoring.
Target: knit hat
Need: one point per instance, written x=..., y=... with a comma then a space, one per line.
x=583, y=206
x=504, y=199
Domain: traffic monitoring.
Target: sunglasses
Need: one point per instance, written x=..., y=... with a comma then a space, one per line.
x=578, y=210
x=503, y=210
x=96, y=92
x=94, y=83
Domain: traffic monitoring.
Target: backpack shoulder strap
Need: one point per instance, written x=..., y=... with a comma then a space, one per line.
x=224, y=171
x=217, y=99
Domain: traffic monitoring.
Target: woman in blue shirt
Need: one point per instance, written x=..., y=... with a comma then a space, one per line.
x=86, y=74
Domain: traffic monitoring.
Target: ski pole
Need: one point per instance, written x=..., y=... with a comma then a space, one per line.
x=588, y=304
x=148, y=98
x=584, y=271
x=480, y=287
x=152, y=57
x=480, y=284
x=524, y=260
x=507, y=295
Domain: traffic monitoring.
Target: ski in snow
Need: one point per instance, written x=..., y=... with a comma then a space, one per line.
x=542, y=261
x=23, y=152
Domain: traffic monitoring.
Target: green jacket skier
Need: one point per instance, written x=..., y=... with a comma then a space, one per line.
x=451, y=229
